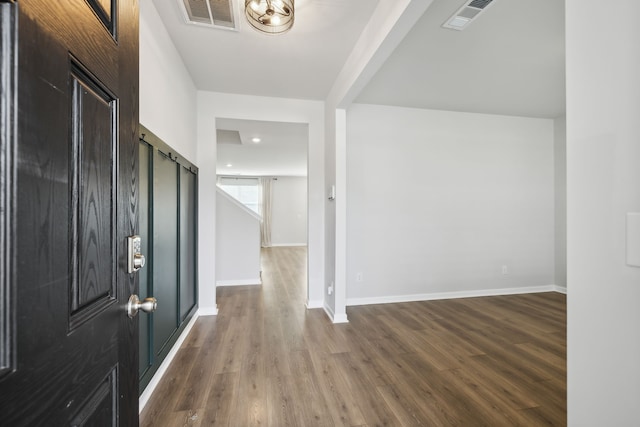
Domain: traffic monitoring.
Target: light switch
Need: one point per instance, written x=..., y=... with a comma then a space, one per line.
x=633, y=239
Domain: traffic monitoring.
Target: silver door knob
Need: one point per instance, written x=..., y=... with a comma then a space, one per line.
x=149, y=304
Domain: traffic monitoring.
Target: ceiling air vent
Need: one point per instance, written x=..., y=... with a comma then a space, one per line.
x=480, y=4
x=466, y=14
x=224, y=136
x=210, y=13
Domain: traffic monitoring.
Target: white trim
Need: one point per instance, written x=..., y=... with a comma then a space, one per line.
x=340, y=265
x=340, y=318
x=314, y=304
x=208, y=311
x=328, y=310
x=560, y=289
x=452, y=295
x=155, y=380
x=335, y=318
x=257, y=281
x=287, y=244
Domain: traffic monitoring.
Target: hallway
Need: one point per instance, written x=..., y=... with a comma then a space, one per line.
x=266, y=360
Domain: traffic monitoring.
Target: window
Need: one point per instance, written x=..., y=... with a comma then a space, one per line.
x=245, y=190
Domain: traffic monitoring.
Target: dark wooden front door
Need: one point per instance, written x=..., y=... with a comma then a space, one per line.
x=68, y=350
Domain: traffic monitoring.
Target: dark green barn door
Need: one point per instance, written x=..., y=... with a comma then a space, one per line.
x=165, y=249
x=188, y=229
x=168, y=223
x=146, y=288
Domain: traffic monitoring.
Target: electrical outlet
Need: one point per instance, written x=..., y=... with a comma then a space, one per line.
x=359, y=277
x=505, y=269
x=330, y=289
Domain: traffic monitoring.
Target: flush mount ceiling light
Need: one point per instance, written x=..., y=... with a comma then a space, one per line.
x=269, y=16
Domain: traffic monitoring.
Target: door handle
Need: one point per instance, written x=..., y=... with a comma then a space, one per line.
x=134, y=305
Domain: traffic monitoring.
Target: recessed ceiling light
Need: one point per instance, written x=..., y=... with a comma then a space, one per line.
x=256, y=140
x=229, y=165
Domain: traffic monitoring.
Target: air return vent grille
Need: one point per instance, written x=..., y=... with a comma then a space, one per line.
x=210, y=13
x=466, y=14
x=480, y=4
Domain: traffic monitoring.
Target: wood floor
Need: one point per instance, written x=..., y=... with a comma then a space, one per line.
x=267, y=361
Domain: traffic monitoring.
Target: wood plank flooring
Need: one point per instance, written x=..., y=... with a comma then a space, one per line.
x=267, y=361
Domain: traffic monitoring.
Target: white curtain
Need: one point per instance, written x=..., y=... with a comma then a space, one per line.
x=265, y=211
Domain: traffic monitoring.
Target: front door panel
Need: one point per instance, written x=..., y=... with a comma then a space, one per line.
x=76, y=350
x=93, y=171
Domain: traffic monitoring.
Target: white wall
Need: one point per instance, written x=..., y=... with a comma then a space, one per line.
x=167, y=108
x=330, y=257
x=439, y=201
x=167, y=92
x=603, y=184
x=560, y=177
x=390, y=22
x=237, y=243
x=289, y=211
x=212, y=105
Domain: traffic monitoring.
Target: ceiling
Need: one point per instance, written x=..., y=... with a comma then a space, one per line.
x=282, y=150
x=302, y=63
x=509, y=61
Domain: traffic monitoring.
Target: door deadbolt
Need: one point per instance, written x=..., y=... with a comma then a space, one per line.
x=135, y=260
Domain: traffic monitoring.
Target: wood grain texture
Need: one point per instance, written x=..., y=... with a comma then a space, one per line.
x=93, y=121
x=8, y=146
x=104, y=10
x=267, y=361
x=97, y=173
x=126, y=20
x=57, y=369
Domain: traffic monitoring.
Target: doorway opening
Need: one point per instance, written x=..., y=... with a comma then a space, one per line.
x=262, y=166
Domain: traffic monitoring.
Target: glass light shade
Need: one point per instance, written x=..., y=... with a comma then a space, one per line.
x=270, y=16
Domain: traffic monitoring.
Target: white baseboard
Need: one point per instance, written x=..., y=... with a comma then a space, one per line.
x=453, y=295
x=208, y=311
x=314, y=304
x=340, y=318
x=328, y=310
x=277, y=245
x=249, y=282
x=335, y=318
x=155, y=380
x=560, y=289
